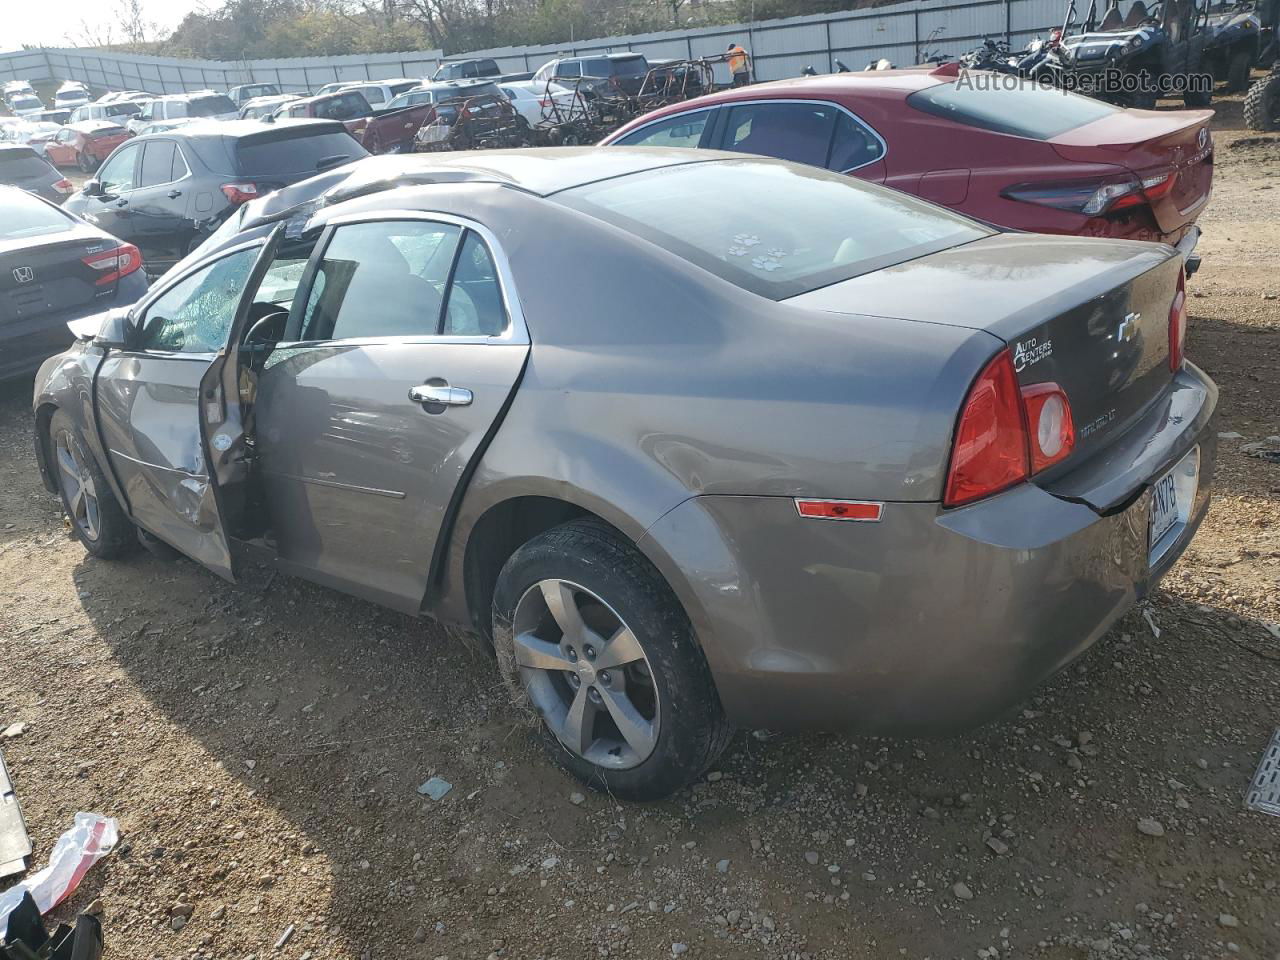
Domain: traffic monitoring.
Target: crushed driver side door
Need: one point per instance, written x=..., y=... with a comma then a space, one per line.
x=168, y=426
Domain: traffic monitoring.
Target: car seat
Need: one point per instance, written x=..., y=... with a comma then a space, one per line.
x=1112, y=20
x=1138, y=15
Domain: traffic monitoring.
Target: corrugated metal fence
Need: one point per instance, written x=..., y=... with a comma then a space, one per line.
x=780, y=48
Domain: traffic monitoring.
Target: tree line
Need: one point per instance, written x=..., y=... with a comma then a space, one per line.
x=252, y=29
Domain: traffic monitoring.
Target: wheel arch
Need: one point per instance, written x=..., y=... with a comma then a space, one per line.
x=44, y=455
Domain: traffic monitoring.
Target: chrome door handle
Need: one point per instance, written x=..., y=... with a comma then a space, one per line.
x=444, y=395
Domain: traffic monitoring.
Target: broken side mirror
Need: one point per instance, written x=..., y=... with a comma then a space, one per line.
x=118, y=331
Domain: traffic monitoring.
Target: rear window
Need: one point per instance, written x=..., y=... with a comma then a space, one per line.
x=25, y=216
x=631, y=67
x=210, y=106
x=25, y=103
x=21, y=165
x=1010, y=105
x=122, y=109
x=285, y=152
x=804, y=228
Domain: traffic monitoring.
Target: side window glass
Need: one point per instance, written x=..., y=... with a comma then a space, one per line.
x=177, y=108
x=682, y=131
x=157, y=163
x=180, y=168
x=854, y=145
x=381, y=279
x=373, y=94
x=800, y=132
x=195, y=315
x=116, y=174
x=475, y=306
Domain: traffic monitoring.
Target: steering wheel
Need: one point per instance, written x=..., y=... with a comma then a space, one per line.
x=269, y=327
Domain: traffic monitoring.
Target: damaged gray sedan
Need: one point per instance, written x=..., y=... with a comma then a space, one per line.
x=696, y=441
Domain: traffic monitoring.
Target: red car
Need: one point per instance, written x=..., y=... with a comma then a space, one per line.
x=348, y=106
x=85, y=144
x=998, y=149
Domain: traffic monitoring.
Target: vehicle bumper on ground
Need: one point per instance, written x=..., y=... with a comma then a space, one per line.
x=929, y=621
x=26, y=343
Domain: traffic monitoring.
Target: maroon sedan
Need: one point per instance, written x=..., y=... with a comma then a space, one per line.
x=996, y=148
x=85, y=144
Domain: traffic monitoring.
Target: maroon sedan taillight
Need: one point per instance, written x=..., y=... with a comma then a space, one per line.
x=1093, y=198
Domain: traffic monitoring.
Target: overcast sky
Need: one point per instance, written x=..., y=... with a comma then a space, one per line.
x=33, y=22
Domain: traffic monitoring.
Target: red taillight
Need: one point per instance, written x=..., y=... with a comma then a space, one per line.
x=840, y=509
x=238, y=193
x=1050, y=432
x=1093, y=198
x=64, y=186
x=114, y=264
x=1178, y=325
x=990, y=451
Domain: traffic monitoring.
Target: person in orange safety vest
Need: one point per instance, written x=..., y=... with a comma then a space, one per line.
x=739, y=65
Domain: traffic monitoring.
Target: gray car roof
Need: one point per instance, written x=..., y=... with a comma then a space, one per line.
x=542, y=171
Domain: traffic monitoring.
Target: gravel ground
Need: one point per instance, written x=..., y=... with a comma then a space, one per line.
x=262, y=746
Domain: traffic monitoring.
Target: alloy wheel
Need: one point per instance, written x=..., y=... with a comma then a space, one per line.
x=77, y=486
x=587, y=674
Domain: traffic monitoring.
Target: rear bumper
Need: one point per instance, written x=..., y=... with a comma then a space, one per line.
x=26, y=343
x=927, y=622
x=1187, y=247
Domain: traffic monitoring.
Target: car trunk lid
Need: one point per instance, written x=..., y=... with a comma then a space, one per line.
x=50, y=276
x=1088, y=315
x=1151, y=145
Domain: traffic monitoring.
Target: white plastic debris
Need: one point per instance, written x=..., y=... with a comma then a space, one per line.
x=435, y=788
x=91, y=839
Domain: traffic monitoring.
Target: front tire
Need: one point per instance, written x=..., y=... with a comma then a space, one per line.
x=591, y=640
x=86, y=163
x=97, y=520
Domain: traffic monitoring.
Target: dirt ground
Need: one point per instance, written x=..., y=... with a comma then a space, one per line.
x=262, y=746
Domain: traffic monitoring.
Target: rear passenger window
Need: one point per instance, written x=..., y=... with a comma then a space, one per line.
x=800, y=132
x=682, y=131
x=382, y=279
x=855, y=145
x=475, y=306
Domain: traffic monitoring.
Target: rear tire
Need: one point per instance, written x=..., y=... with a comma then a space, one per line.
x=97, y=520
x=594, y=645
x=1262, y=104
x=86, y=163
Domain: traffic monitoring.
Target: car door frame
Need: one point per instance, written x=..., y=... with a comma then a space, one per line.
x=116, y=223
x=515, y=335
x=141, y=236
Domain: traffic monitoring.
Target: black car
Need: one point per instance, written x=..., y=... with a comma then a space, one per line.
x=20, y=166
x=167, y=192
x=54, y=269
x=466, y=70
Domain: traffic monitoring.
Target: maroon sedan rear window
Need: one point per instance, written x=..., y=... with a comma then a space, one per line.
x=1006, y=104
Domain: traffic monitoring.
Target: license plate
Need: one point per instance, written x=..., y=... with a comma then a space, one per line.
x=1172, y=498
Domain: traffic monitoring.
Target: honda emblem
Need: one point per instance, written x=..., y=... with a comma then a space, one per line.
x=24, y=274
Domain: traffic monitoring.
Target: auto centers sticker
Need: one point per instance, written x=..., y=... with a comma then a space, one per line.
x=1029, y=352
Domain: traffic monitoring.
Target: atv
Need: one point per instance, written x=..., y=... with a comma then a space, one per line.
x=1134, y=58
x=1239, y=31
